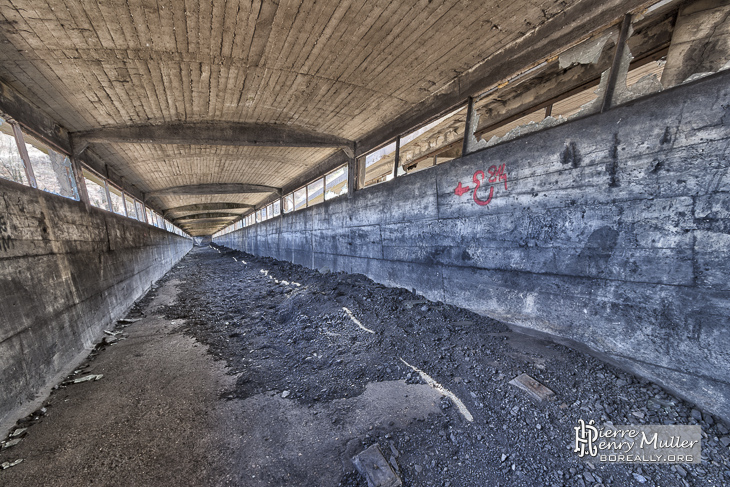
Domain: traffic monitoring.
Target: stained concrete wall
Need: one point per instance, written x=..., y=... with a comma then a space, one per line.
x=611, y=232
x=65, y=275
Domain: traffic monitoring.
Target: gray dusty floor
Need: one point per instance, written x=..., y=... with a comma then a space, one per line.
x=252, y=372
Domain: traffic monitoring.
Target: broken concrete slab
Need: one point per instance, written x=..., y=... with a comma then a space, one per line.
x=536, y=390
x=375, y=468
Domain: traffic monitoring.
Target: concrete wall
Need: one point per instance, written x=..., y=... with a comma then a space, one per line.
x=613, y=232
x=65, y=275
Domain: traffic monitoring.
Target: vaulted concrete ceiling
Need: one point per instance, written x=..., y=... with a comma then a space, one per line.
x=180, y=96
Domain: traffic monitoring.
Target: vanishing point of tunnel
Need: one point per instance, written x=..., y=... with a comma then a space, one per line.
x=337, y=243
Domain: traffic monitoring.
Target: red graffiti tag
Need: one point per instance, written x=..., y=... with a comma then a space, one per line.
x=478, y=201
x=460, y=190
x=496, y=174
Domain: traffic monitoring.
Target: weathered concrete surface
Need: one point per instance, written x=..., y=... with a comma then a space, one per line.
x=67, y=274
x=611, y=231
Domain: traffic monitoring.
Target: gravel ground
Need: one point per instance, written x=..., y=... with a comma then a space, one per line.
x=316, y=338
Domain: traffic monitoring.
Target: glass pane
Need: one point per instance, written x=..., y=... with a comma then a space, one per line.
x=316, y=192
x=289, y=203
x=140, y=211
x=95, y=188
x=379, y=165
x=300, y=199
x=150, y=217
x=52, y=170
x=336, y=183
x=117, y=203
x=277, y=207
x=11, y=164
x=131, y=212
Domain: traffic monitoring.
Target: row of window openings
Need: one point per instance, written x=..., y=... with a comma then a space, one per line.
x=323, y=189
x=419, y=150
x=51, y=171
x=380, y=163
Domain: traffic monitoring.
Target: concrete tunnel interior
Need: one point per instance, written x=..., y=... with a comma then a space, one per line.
x=338, y=243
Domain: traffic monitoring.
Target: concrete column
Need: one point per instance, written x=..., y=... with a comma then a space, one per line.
x=80, y=183
x=700, y=41
x=24, y=155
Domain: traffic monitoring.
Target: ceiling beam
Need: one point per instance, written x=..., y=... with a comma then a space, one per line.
x=206, y=216
x=208, y=207
x=212, y=133
x=214, y=188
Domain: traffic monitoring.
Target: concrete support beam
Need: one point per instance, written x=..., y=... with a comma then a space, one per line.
x=618, y=57
x=205, y=216
x=207, y=207
x=218, y=133
x=32, y=118
x=221, y=188
x=23, y=150
x=701, y=41
x=471, y=123
x=351, y=176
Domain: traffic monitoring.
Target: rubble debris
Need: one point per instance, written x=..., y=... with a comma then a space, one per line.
x=88, y=378
x=375, y=468
x=356, y=321
x=5, y=465
x=285, y=394
x=536, y=390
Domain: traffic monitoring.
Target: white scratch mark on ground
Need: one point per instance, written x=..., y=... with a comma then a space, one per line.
x=429, y=380
x=356, y=321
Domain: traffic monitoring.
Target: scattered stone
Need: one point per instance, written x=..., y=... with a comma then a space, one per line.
x=588, y=477
x=639, y=478
x=504, y=457
x=696, y=414
x=285, y=394
x=536, y=390
x=375, y=468
x=638, y=414
x=681, y=471
x=725, y=441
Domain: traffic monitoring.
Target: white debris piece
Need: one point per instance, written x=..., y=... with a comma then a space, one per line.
x=88, y=378
x=356, y=321
x=429, y=380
